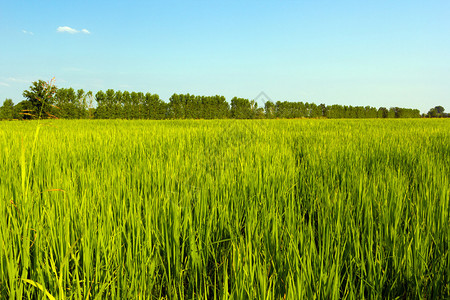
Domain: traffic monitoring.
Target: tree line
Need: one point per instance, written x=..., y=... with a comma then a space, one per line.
x=44, y=100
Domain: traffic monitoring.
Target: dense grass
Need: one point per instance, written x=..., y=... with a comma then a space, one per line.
x=269, y=209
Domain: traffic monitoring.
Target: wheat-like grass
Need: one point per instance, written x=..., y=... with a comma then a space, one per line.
x=292, y=209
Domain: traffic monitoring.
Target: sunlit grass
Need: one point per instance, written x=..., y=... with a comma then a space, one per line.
x=252, y=209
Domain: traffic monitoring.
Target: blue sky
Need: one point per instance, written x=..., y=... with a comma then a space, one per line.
x=377, y=53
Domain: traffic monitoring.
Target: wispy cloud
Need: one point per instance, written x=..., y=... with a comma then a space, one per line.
x=19, y=80
x=71, y=30
x=27, y=32
x=4, y=84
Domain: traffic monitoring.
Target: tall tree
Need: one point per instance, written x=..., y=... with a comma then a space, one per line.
x=136, y=101
x=110, y=104
x=241, y=108
x=102, y=106
x=127, y=105
x=82, y=104
x=67, y=103
x=117, y=106
x=41, y=96
x=222, y=107
x=177, y=106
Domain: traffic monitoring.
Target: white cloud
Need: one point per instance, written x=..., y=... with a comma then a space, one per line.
x=4, y=84
x=27, y=32
x=71, y=30
x=66, y=29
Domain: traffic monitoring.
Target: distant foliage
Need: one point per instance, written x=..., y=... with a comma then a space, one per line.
x=197, y=107
x=45, y=100
x=125, y=105
x=437, y=112
x=72, y=105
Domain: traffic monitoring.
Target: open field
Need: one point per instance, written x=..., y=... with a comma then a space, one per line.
x=252, y=209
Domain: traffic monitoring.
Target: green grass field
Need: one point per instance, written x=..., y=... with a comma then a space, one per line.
x=187, y=209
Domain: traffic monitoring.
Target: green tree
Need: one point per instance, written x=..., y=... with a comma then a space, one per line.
x=153, y=107
x=315, y=111
x=241, y=108
x=382, y=112
x=259, y=113
x=7, y=110
x=41, y=96
x=392, y=112
x=222, y=107
x=109, y=104
x=102, y=110
x=323, y=108
x=335, y=111
x=82, y=105
x=127, y=105
x=407, y=113
x=90, y=110
x=117, y=107
x=189, y=105
x=436, y=112
x=66, y=102
x=439, y=109
x=269, y=108
x=23, y=110
x=432, y=113
x=280, y=111
x=176, y=106
x=136, y=105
